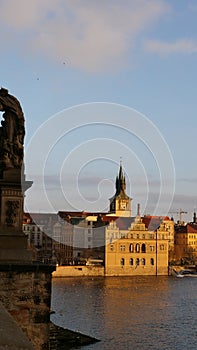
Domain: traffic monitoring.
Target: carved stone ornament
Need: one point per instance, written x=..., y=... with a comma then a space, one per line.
x=12, y=132
x=12, y=210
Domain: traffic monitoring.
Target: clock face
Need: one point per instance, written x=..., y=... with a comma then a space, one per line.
x=123, y=205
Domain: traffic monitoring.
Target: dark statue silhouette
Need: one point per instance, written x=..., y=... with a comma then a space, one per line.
x=12, y=132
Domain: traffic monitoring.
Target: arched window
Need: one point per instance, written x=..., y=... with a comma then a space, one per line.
x=137, y=262
x=143, y=248
x=152, y=261
x=143, y=261
x=131, y=248
x=122, y=261
x=131, y=261
x=137, y=248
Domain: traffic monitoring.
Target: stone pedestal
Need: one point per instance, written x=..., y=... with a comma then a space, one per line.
x=25, y=292
x=25, y=288
x=13, y=242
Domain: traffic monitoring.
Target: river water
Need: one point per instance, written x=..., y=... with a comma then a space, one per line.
x=135, y=313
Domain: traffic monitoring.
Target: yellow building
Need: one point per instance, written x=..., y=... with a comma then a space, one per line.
x=186, y=242
x=133, y=249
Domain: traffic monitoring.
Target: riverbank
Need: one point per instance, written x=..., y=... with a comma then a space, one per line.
x=65, y=339
x=77, y=271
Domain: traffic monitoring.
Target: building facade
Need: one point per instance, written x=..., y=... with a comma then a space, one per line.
x=186, y=243
x=132, y=249
x=39, y=231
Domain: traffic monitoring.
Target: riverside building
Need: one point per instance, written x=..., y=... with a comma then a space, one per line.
x=186, y=242
x=133, y=249
x=135, y=246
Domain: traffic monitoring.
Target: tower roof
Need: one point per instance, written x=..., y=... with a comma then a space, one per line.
x=121, y=184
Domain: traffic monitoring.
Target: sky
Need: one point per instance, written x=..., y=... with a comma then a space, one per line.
x=100, y=82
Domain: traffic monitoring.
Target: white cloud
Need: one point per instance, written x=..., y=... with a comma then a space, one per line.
x=181, y=46
x=93, y=35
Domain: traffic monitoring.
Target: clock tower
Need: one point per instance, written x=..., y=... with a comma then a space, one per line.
x=120, y=203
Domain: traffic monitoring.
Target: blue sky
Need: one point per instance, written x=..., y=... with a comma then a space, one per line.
x=140, y=55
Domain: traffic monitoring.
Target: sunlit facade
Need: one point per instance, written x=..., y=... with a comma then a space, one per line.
x=136, y=250
x=186, y=242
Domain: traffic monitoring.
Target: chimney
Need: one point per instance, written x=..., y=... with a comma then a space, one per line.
x=138, y=209
x=194, y=218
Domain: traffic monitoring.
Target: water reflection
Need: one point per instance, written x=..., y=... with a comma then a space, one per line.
x=129, y=313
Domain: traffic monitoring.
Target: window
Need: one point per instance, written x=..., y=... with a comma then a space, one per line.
x=143, y=248
x=137, y=248
x=89, y=230
x=122, y=248
x=143, y=261
x=152, y=261
x=111, y=247
x=89, y=239
x=137, y=236
x=131, y=248
x=137, y=262
x=152, y=248
x=122, y=261
x=143, y=236
x=161, y=246
x=131, y=261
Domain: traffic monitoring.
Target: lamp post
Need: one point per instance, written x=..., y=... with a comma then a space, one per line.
x=156, y=252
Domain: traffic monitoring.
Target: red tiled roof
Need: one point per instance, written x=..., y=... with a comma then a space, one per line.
x=64, y=214
x=39, y=218
x=151, y=222
x=189, y=228
x=192, y=228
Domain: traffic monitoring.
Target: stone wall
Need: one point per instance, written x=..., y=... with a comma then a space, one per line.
x=77, y=271
x=18, y=340
x=136, y=271
x=25, y=292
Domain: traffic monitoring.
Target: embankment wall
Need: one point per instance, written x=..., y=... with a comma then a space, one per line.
x=25, y=292
x=77, y=271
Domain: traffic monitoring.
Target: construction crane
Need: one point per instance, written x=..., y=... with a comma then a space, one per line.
x=180, y=212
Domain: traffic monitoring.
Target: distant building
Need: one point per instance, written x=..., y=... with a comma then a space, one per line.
x=62, y=243
x=38, y=228
x=153, y=222
x=88, y=235
x=132, y=248
x=186, y=242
